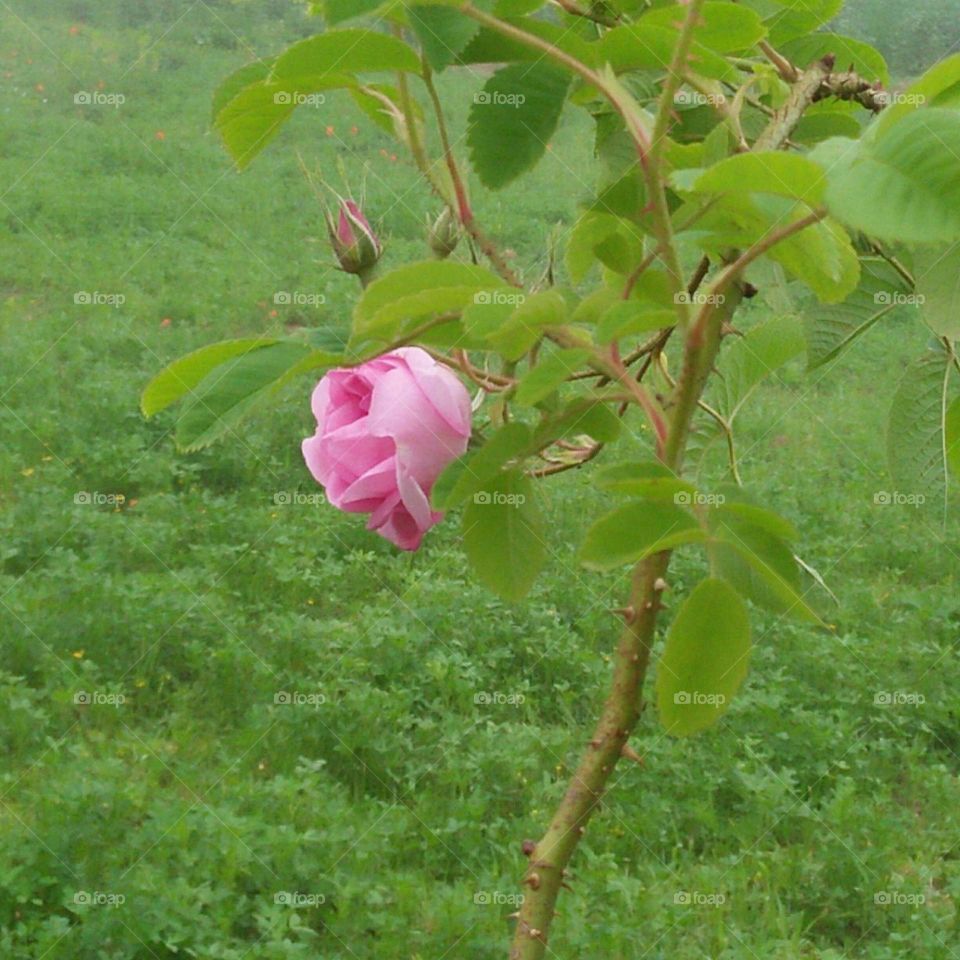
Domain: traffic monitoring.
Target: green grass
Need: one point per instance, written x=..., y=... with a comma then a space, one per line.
x=399, y=802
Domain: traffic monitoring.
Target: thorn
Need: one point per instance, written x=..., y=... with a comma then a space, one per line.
x=630, y=754
x=648, y=605
x=596, y=743
x=749, y=291
x=659, y=585
x=536, y=934
x=533, y=881
x=829, y=61
x=513, y=916
x=566, y=886
x=528, y=846
x=629, y=614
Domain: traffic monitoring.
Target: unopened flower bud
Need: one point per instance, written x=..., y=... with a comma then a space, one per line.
x=354, y=243
x=444, y=234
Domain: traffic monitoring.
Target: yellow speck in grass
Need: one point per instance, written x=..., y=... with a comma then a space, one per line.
x=77, y=654
x=311, y=601
x=27, y=473
x=46, y=459
x=140, y=684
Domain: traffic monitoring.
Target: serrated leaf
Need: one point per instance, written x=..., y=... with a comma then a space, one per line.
x=704, y=660
x=831, y=328
x=952, y=433
x=724, y=27
x=177, y=379
x=418, y=290
x=511, y=122
x=850, y=53
x=234, y=388
x=784, y=174
x=469, y=473
x=503, y=536
x=650, y=480
x=903, y=184
x=546, y=377
x=937, y=272
x=442, y=31
x=637, y=530
x=915, y=430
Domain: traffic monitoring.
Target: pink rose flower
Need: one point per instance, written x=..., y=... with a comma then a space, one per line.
x=385, y=431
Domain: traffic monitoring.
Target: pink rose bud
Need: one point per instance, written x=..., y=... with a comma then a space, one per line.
x=385, y=431
x=355, y=245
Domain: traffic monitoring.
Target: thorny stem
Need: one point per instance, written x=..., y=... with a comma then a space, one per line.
x=550, y=856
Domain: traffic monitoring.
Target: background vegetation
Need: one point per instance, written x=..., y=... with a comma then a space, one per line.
x=161, y=797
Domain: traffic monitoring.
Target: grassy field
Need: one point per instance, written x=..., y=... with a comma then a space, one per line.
x=178, y=809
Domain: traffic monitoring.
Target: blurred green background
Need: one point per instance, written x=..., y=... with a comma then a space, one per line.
x=234, y=725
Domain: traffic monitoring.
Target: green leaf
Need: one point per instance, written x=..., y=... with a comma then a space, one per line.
x=418, y=290
x=650, y=480
x=952, y=433
x=253, y=116
x=443, y=33
x=915, y=431
x=645, y=46
x=725, y=27
x=350, y=50
x=336, y=11
x=525, y=325
x=503, y=536
x=512, y=120
x=471, y=472
x=256, y=72
x=637, y=530
x=902, y=185
x=227, y=394
x=758, y=563
x=831, y=328
x=851, y=54
x=180, y=377
x=546, y=377
x=937, y=273
x=628, y=317
x=939, y=86
x=704, y=660
x=753, y=357
x=785, y=174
